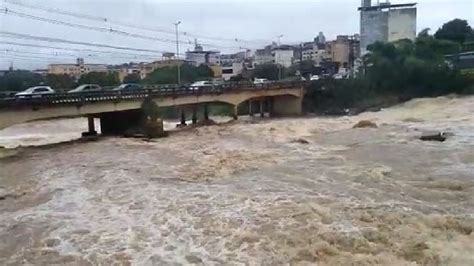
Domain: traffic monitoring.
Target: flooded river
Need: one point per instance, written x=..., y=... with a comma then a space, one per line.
x=246, y=192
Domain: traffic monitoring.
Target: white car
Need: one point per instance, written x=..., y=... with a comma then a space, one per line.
x=259, y=81
x=34, y=92
x=86, y=88
x=314, y=77
x=201, y=84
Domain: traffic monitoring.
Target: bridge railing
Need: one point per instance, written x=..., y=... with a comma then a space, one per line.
x=154, y=91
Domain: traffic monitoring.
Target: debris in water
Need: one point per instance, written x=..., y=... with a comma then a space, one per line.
x=365, y=124
x=300, y=141
x=440, y=136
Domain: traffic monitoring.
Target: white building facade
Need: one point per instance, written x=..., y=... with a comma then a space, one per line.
x=283, y=57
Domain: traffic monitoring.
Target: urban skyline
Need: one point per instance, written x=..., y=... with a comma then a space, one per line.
x=259, y=36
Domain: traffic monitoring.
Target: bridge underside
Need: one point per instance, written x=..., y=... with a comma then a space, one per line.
x=117, y=116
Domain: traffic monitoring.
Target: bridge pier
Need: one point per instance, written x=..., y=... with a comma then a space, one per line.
x=262, y=110
x=183, y=118
x=91, y=127
x=194, y=119
x=206, y=112
x=235, y=115
x=270, y=106
x=250, y=108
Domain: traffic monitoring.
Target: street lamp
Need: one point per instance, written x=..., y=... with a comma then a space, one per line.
x=279, y=65
x=177, y=51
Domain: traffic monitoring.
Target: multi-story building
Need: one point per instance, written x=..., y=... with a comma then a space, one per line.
x=200, y=57
x=144, y=69
x=283, y=55
x=315, y=52
x=76, y=70
x=386, y=22
x=344, y=50
x=234, y=64
x=264, y=56
x=232, y=70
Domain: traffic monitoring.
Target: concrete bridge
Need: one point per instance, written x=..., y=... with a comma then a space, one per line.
x=120, y=110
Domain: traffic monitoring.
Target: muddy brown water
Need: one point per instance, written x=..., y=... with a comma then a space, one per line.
x=246, y=193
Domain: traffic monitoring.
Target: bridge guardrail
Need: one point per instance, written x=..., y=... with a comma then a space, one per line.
x=154, y=91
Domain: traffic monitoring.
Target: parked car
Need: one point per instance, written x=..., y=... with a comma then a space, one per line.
x=259, y=81
x=34, y=92
x=314, y=77
x=86, y=88
x=201, y=84
x=128, y=87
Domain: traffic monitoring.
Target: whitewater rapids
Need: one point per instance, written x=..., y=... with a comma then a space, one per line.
x=245, y=192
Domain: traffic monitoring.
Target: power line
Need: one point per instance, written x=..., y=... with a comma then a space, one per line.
x=55, y=54
x=126, y=24
x=77, y=49
x=80, y=26
x=9, y=50
x=14, y=57
x=7, y=11
x=33, y=57
x=57, y=40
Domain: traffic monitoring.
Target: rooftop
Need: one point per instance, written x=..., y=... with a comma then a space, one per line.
x=385, y=6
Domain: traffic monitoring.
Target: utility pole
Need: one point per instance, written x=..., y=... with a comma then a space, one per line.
x=279, y=65
x=177, y=51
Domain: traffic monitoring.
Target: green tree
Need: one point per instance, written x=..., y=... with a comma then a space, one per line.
x=19, y=80
x=59, y=82
x=100, y=78
x=268, y=71
x=132, y=78
x=189, y=74
x=456, y=30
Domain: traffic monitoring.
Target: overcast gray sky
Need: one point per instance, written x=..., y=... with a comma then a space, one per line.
x=254, y=20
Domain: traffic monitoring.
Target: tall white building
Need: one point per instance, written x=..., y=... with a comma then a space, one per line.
x=199, y=56
x=283, y=56
x=386, y=22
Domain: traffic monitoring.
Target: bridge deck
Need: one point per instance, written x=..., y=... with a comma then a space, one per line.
x=152, y=91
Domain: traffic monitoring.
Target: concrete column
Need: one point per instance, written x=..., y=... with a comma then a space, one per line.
x=91, y=127
x=91, y=124
x=183, y=118
x=235, y=115
x=206, y=112
x=270, y=106
x=194, y=115
x=250, y=108
x=262, y=110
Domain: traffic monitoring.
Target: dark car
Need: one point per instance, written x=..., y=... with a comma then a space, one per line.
x=128, y=87
x=86, y=88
